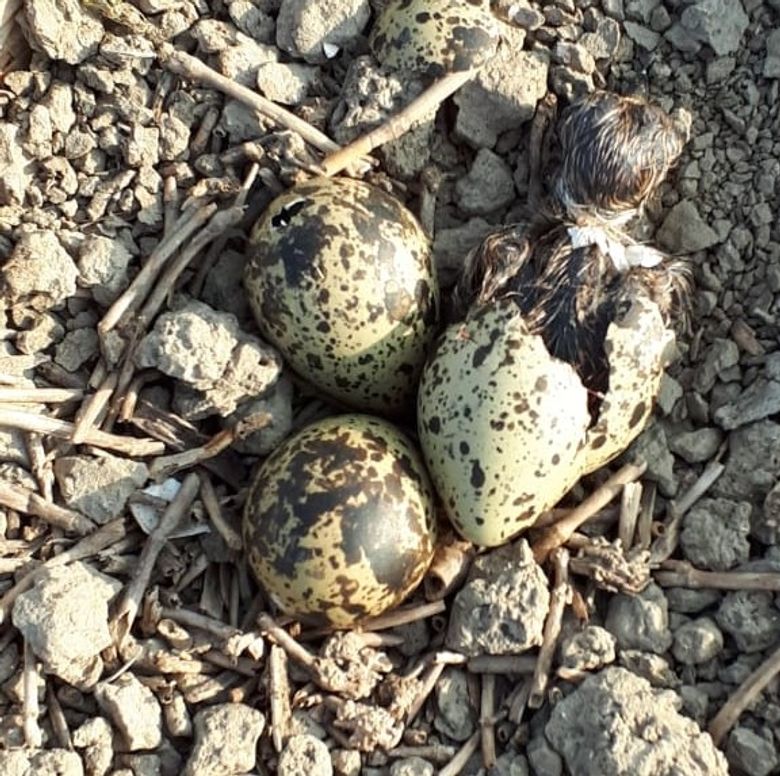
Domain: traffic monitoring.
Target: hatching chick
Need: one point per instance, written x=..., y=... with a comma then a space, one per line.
x=570, y=268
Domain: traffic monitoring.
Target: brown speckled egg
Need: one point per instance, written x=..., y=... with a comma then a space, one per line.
x=340, y=279
x=434, y=36
x=505, y=428
x=339, y=521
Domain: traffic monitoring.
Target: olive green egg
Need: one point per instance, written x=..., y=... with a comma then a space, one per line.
x=434, y=36
x=340, y=279
x=339, y=522
x=505, y=428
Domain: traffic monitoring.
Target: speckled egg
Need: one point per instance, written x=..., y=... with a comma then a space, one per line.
x=339, y=521
x=505, y=428
x=340, y=279
x=434, y=37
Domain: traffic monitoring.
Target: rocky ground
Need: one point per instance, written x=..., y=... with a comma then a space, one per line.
x=130, y=641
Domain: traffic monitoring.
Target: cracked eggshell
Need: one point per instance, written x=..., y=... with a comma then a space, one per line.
x=438, y=37
x=340, y=279
x=504, y=426
x=339, y=522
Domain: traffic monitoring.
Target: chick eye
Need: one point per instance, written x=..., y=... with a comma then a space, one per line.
x=287, y=213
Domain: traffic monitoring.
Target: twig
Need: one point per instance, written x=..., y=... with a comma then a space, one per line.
x=404, y=615
x=130, y=398
x=487, y=721
x=449, y=567
x=132, y=297
x=558, y=534
x=746, y=693
x=88, y=415
x=57, y=718
x=630, y=501
x=279, y=690
x=680, y=573
x=427, y=683
x=129, y=603
x=167, y=465
x=552, y=628
x=517, y=703
x=62, y=429
x=39, y=395
x=502, y=664
x=458, y=763
x=665, y=545
x=28, y=502
x=398, y=124
x=435, y=753
x=644, y=526
x=170, y=204
x=40, y=464
x=209, y=498
x=32, y=731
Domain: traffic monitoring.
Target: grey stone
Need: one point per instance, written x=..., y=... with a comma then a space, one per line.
x=772, y=59
x=543, y=759
x=507, y=89
x=64, y=618
x=95, y=737
x=312, y=29
x=501, y=608
x=688, y=601
x=253, y=21
x=174, y=138
x=715, y=534
x=16, y=167
x=592, y=647
x=614, y=9
x=102, y=264
x=192, y=343
x=18, y=762
x=753, y=465
x=574, y=55
x=77, y=347
x=98, y=487
x=134, y=710
x=760, y=400
x=669, y=394
x=45, y=331
x=615, y=723
x=450, y=246
x=604, y=42
x=681, y=39
x=696, y=446
x=684, y=231
x=510, y=763
x=640, y=622
x=38, y=143
x=750, y=618
x=697, y=641
x=751, y=753
x=39, y=273
x=411, y=766
x=654, y=668
x=223, y=289
x=456, y=717
x=346, y=762
x=642, y=36
x=651, y=446
x=718, y=23
x=487, y=187
x=63, y=29
x=695, y=703
x=287, y=84
x=303, y=755
x=722, y=354
x=277, y=402
x=242, y=61
x=226, y=740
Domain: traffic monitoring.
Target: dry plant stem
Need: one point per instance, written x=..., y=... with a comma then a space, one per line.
x=57, y=718
x=133, y=594
x=90, y=413
x=62, y=429
x=41, y=465
x=517, y=702
x=558, y=534
x=397, y=125
x=196, y=620
x=746, y=693
x=678, y=573
x=458, y=763
x=202, y=134
x=435, y=753
x=32, y=732
x=427, y=683
x=167, y=465
x=630, y=501
x=170, y=203
x=30, y=503
x=542, y=120
x=552, y=628
x=221, y=221
x=487, y=721
x=663, y=547
x=39, y=395
x=502, y=664
x=448, y=569
x=644, y=526
x=142, y=283
x=209, y=498
x=279, y=688
x=293, y=649
x=130, y=398
x=403, y=616
x=192, y=68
